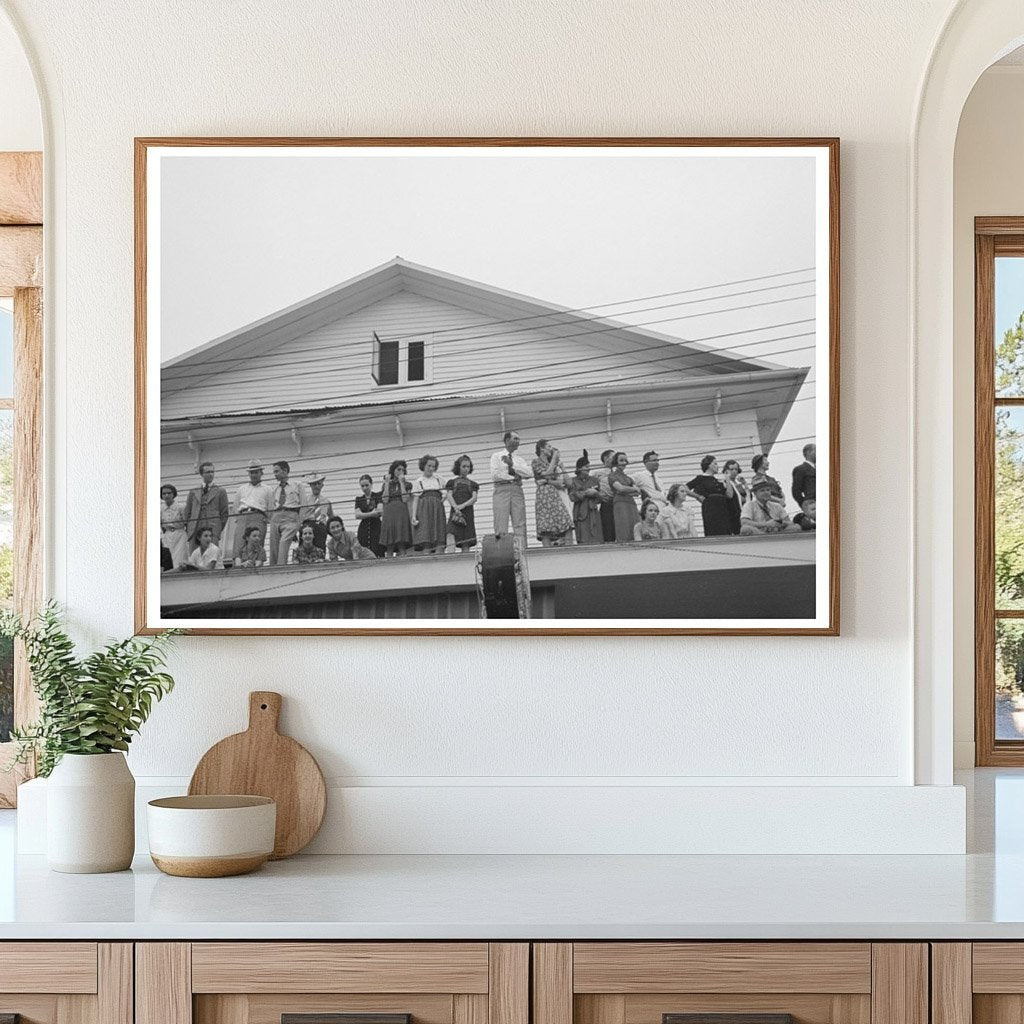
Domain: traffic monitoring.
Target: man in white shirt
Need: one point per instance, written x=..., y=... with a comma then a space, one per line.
x=508, y=471
x=646, y=479
x=252, y=507
x=288, y=500
x=763, y=514
x=319, y=510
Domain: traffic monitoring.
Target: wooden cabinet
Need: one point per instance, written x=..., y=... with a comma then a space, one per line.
x=307, y=982
x=66, y=982
x=756, y=982
x=980, y=982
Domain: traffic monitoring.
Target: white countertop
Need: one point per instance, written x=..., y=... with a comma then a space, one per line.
x=543, y=897
x=978, y=896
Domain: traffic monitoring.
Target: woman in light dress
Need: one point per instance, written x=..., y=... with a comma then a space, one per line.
x=554, y=523
x=428, y=520
x=172, y=527
x=676, y=521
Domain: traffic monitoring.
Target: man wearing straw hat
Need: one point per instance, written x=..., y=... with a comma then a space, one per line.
x=319, y=509
x=252, y=507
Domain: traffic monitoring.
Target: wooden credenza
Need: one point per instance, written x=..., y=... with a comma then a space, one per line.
x=512, y=982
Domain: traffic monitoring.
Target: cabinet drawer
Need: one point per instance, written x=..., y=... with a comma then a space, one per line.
x=66, y=982
x=635, y=967
x=340, y=967
x=730, y=983
x=58, y=967
x=332, y=983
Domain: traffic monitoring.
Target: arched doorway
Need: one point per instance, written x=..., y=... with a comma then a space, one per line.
x=976, y=34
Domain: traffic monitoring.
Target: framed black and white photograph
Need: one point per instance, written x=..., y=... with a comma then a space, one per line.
x=487, y=385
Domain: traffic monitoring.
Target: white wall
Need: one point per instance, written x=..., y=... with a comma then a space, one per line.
x=987, y=181
x=446, y=714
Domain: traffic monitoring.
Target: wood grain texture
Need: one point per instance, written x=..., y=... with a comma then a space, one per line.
x=65, y=967
x=998, y=1009
x=552, y=983
x=508, y=994
x=28, y=483
x=226, y=1009
x=141, y=360
x=603, y=1009
x=142, y=502
x=984, y=490
x=998, y=967
x=999, y=226
x=21, y=258
x=304, y=967
x=727, y=1018
x=467, y=1009
x=899, y=991
x=262, y=762
x=21, y=188
x=163, y=983
x=31, y=1009
x=951, y=983
x=346, y=1018
x=804, y=1007
x=633, y=967
x=268, y=1009
x=115, y=996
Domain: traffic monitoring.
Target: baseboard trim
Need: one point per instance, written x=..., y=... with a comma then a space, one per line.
x=682, y=819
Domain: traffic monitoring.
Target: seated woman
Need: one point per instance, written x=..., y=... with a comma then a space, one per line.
x=307, y=552
x=648, y=528
x=343, y=546
x=207, y=555
x=676, y=521
x=251, y=555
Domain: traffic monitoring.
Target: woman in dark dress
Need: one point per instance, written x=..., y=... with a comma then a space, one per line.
x=740, y=495
x=713, y=495
x=624, y=502
x=760, y=468
x=369, y=509
x=462, y=494
x=396, y=526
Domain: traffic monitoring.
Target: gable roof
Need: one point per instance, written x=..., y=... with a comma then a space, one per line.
x=397, y=275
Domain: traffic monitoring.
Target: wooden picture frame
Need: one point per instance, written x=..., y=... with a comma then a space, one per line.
x=804, y=579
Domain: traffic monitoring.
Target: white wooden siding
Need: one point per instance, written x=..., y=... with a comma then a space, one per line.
x=332, y=365
x=343, y=454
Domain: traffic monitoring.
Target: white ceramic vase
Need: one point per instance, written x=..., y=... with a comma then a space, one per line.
x=90, y=814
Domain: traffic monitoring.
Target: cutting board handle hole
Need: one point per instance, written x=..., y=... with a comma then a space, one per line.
x=263, y=707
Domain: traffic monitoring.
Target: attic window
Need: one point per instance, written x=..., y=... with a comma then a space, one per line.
x=399, y=362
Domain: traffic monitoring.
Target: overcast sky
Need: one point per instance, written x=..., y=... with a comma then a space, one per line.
x=243, y=236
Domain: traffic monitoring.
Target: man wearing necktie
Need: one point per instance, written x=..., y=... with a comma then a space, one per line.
x=289, y=499
x=207, y=507
x=646, y=479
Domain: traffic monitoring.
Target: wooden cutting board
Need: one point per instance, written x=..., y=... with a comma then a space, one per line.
x=262, y=762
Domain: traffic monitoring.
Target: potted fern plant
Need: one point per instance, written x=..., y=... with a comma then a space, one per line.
x=90, y=708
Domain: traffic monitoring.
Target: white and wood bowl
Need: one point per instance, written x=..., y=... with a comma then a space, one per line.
x=211, y=836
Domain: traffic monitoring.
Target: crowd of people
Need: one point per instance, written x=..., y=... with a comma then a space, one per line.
x=294, y=522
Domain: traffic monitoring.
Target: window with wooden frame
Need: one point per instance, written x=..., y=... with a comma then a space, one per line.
x=21, y=366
